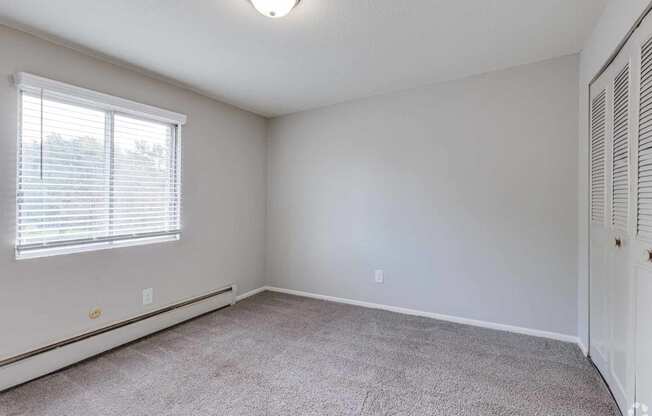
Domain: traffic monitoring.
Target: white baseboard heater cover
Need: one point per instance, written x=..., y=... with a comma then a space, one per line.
x=47, y=359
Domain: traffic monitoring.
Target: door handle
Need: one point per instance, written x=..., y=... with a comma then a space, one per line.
x=619, y=243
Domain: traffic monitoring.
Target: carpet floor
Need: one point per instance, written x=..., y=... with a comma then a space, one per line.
x=276, y=354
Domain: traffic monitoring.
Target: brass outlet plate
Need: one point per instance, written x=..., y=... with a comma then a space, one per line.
x=95, y=313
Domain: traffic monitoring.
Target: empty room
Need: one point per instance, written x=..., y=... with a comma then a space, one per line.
x=325, y=207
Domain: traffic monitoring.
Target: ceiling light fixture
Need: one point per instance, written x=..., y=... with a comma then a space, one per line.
x=275, y=8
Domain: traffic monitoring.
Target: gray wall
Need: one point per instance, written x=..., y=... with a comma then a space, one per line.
x=465, y=193
x=224, y=192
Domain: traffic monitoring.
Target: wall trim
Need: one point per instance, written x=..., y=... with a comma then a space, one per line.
x=42, y=364
x=249, y=294
x=113, y=327
x=465, y=321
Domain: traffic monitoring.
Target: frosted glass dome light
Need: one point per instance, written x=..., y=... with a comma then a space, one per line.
x=274, y=8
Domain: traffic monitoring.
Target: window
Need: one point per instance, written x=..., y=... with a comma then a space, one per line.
x=94, y=171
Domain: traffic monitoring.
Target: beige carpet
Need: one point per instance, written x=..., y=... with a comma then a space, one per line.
x=276, y=354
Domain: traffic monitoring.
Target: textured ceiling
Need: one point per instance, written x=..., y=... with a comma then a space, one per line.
x=324, y=52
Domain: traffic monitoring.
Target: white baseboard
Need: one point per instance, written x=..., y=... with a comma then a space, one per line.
x=42, y=364
x=473, y=322
x=246, y=295
x=583, y=347
x=48, y=362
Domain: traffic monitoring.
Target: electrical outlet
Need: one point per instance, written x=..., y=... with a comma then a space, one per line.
x=148, y=296
x=379, y=276
x=95, y=313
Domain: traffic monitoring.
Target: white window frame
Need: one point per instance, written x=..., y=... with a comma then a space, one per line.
x=35, y=85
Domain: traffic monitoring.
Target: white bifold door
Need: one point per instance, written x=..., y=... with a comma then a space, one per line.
x=621, y=223
x=642, y=259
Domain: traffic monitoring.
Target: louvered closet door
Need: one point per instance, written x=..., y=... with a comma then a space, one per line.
x=642, y=251
x=600, y=122
x=620, y=294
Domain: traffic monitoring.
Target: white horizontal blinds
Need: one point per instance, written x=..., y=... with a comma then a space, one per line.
x=644, y=214
x=145, y=192
x=89, y=175
x=598, y=115
x=62, y=194
x=620, y=162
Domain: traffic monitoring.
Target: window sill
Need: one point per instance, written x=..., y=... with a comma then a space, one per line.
x=82, y=248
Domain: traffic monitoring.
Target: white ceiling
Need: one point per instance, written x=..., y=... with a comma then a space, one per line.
x=325, y=52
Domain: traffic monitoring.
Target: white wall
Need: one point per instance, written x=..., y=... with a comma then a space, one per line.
x=612, y=27
x=400, y=182
x=463, y=192
x=224, y=192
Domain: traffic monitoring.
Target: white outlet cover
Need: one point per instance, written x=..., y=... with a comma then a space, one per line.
x=148, y=296
x=379, y=276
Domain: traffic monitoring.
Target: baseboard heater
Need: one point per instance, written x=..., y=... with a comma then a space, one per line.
x=219, y=301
